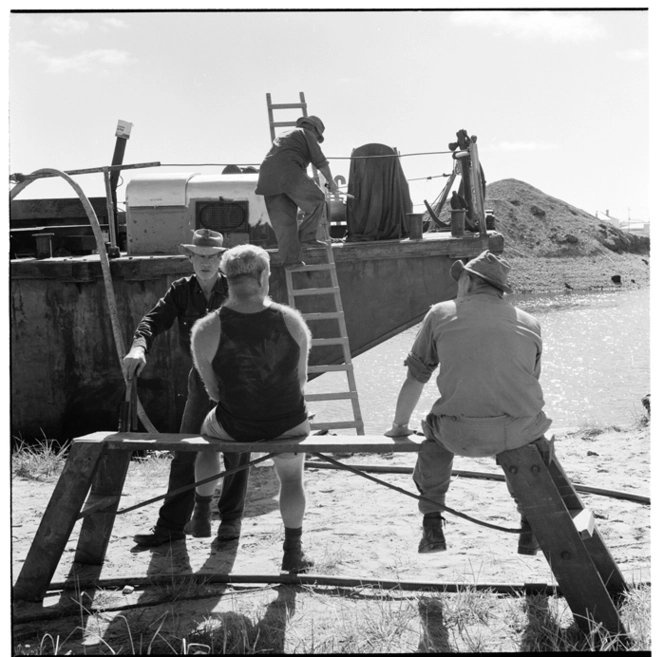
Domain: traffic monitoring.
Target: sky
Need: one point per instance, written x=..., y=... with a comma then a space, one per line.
x=557, y=99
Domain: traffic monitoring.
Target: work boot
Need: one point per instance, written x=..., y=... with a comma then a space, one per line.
x=528, y=544
x=294, y=560
x=229, y=530
x=433, y=539
x=157, y=536
x=200, y=525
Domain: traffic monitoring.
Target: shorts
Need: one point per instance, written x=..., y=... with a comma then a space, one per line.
x=211, y=427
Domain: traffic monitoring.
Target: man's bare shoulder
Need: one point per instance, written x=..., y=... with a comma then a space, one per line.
x=206, y=327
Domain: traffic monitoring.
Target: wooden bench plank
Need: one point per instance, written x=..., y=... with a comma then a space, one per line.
x=311, y=444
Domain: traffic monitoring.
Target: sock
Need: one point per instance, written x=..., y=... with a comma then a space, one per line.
x=202, y=499
x=293, y=536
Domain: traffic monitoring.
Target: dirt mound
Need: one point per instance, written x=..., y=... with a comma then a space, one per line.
x=536, y=224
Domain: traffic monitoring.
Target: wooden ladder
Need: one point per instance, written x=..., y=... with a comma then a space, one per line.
x=342, y=339
x=302, y=105
x=588, y=576
x=331, y=289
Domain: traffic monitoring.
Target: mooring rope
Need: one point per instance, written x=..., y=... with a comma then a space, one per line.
x=190, y=486
x=335, y=157
x=403, y=491
x=339, y=464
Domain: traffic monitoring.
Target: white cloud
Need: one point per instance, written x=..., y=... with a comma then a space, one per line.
x=30, y=48
x=634, y=55
x=90, y=60
x=524, y=146
x=555, y=26
x=65, y=25
x=115, y=22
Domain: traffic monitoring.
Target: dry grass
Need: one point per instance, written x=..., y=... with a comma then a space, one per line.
x=301, y=620
x=41, y=461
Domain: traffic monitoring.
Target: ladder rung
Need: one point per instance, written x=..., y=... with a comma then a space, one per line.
x=282, y=124
x=323, y=267
x=287, y=105
x=353, y=424
x=308, y=291
x=329, y=396
x=332, y=315
x=319, y=342
x=315, y=369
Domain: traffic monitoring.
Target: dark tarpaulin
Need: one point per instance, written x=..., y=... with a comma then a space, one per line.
x=381, y=196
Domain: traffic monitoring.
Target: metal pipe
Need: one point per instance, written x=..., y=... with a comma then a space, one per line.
x=307, y=580
x=48, y=173
x=110, y=208
x=469, y=474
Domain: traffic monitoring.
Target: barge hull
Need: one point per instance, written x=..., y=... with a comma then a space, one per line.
x=65, y=369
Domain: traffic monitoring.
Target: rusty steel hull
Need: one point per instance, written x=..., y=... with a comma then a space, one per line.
x=65, y=369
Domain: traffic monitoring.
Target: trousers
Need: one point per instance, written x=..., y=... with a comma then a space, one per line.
x=282, y=210
x=176, y=511
x=433, y=468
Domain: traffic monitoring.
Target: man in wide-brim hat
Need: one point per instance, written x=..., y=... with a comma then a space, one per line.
x=489, y=354
x=283, y=181
x=187, y=300
x=205, y=242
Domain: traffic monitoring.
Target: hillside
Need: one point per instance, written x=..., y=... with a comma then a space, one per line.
x=536, y=224
x=556, y=247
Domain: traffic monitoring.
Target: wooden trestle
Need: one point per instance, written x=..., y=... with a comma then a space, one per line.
x=91, y=484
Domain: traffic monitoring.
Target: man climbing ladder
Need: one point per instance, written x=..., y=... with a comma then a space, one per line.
x=283, y=181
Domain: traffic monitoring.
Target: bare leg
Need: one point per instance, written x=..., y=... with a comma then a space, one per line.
x=292, y=499
x=207, y=465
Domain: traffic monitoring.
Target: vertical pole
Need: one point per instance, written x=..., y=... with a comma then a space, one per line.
x=122, y=133
x=110, y=208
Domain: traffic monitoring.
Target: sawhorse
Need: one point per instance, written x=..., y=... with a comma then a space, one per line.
x=93, y=477
x=588, y=576
x=98, y=464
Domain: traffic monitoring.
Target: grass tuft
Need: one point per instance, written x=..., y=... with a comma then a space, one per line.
x=41, y=461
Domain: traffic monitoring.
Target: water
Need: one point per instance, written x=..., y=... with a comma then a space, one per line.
x=595, y=365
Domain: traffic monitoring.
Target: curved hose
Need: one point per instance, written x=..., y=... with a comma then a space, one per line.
x=105, y=268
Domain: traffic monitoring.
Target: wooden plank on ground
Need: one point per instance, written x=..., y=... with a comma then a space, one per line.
x=310, y=444
x=58, y=521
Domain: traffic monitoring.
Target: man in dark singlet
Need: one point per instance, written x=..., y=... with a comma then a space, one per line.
x=252, y=357
x=187, y=300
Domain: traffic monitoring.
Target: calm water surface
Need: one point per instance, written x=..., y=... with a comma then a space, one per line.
x=595, y=368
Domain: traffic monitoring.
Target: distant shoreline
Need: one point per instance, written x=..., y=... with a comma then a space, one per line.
x=536, y=274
